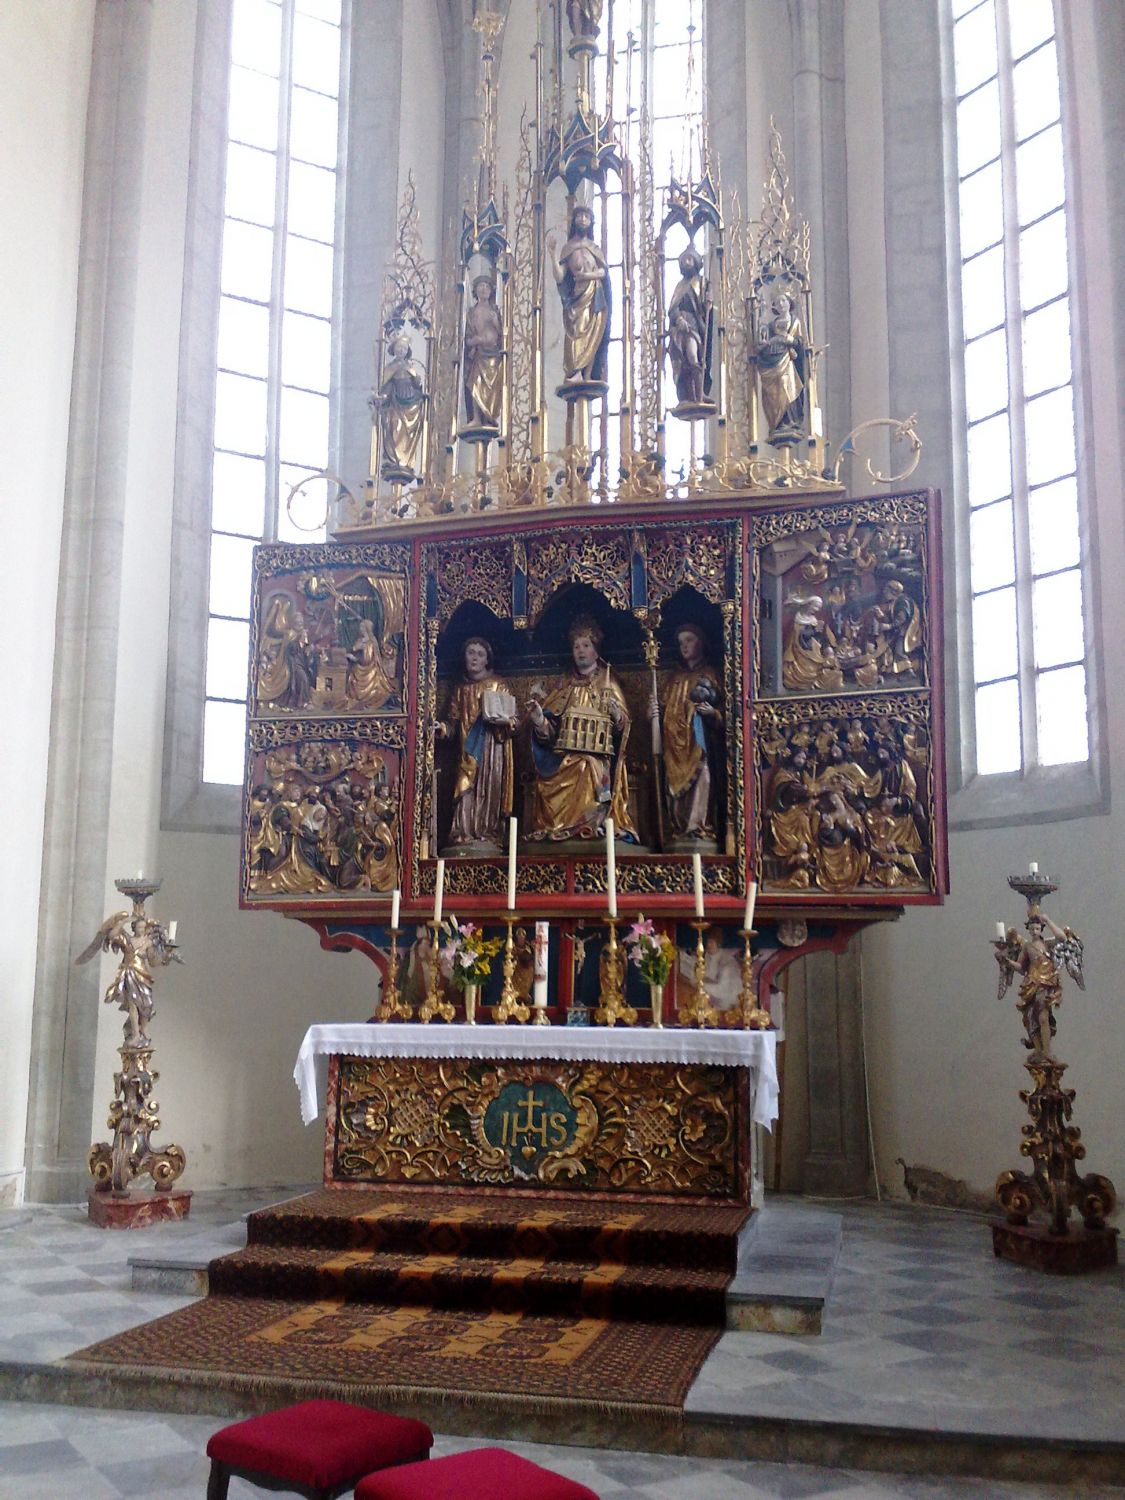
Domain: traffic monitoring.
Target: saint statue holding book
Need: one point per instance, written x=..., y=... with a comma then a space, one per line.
x=481, y=717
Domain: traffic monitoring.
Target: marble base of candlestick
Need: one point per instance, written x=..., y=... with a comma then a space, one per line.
x=1034, y=1245
x=137, y=1210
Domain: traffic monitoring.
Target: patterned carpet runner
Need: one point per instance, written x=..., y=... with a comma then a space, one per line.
x=539, y=1298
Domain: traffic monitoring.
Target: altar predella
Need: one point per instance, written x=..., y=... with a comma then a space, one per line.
x=603, y=605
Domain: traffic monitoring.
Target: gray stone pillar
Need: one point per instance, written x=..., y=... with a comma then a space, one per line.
x=818, y=164
x=67, y=1000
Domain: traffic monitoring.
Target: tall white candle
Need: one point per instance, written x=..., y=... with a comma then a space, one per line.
x=172, y=928
x=697, y=877
x=542, y=940
x=1001, y=934
x=611, y=867
x=511, y=864
x=439, y=890
x=1033, y=868
x=396, y=897
x=751, y=901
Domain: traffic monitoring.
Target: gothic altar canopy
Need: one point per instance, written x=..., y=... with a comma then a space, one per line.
x=603, y=576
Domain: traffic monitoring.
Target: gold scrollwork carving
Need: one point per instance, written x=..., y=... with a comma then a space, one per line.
x=597, y=557
x=654, y=877
x=696, y=556
x=899, y=509
x=482, y=573
x=652, y=1128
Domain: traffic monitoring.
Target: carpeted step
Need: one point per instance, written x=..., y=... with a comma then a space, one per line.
x=537, y=1285
x=430, y=1222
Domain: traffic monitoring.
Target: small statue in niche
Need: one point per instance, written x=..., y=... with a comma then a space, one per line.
x=1037, y=960
x=579, y=732
x=781, y=358
x=690, y=317
x=402, y=411
x=692, y=724
x=483, y=361
x=481, y=717
x=580, y=273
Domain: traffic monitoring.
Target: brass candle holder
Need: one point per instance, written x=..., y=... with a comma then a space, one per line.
x=433, y=1005
x=752, y=1016
x=699, y=1011
x=392, y=1004
x=511, y=1007
x=612, y=1005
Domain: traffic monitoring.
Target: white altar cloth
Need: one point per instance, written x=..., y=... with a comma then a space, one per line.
x=756, y=1050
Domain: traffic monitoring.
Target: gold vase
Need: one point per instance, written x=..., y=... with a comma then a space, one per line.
x=472, y=994
x=656, y=1000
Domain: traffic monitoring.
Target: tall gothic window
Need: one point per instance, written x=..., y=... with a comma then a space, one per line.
x=658, y=72
x=274, y=366
x=1025, y=539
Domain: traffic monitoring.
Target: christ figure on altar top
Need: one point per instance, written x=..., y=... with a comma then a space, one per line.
x=579, y=732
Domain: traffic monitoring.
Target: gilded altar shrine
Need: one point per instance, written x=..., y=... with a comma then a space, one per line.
x=601, y=633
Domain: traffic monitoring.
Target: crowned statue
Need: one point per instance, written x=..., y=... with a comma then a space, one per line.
x=483, y=363
x=402, y=411
x=481, y=719
x=581, y=275
x=692, y=724
x=579, y=733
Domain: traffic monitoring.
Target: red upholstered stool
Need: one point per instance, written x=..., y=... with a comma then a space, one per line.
x=480, y=1474
x=317, y=1448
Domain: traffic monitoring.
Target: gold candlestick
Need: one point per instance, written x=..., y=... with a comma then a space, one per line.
x=392, y=1004
x=699, y=1011
x=511, y=1007
x=753, y=1017
x=433, y=1005
x=612, y=1006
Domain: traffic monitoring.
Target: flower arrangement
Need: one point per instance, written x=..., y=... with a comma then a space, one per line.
x=466, y=956
x=653, y=952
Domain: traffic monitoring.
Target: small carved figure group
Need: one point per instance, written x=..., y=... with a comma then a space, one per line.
x=842, y=639
x=842, y=805
x=308, y=837
x=339, y=664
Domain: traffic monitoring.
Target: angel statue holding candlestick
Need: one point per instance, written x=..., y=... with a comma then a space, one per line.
x=579, y=732
x=143, y=945
x=1037, y=960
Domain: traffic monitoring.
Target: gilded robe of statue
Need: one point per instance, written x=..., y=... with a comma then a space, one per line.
x=368, y=684
x=581, y=274
x=780, y=354
x=285, y=672
x=483, y=364
x=690, y=752
x=575, y=791
x=402, y=399
x=482, y=791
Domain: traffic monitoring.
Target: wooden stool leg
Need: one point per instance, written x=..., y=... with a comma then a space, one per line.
x=218, y=1481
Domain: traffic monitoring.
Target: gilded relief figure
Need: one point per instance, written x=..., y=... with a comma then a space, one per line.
x=480, y=717
x=692, y=732
x=780, y=358
x=580, y=273
x=579, y=732
x=369, y=687
x=286, y=660
x=402, y=411
x=1037, y=960
x=690, y=316
x=483, y=360
x=143, y=945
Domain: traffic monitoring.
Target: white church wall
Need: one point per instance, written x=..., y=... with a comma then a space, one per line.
x=944, y=1054
x=422, y=129
x=44, y=79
